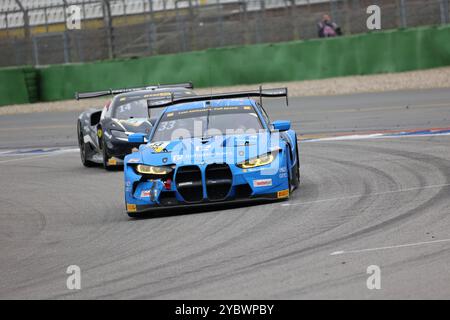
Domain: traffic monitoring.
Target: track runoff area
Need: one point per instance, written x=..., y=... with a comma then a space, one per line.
x=370, y=219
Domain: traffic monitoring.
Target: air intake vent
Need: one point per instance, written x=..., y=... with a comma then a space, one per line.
x=218, y=181
x=243, y=191
x=188, y=180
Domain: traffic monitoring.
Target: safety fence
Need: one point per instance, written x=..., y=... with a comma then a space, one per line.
x=378, y=52
x=36, y=32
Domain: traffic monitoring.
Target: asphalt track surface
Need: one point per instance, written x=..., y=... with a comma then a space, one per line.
x=381, y=202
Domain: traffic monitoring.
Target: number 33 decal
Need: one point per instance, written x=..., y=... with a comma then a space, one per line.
x=166, y=125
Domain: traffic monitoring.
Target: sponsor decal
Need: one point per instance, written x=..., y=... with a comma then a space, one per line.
x=99, y=133
x=202, y=148
x=133, y=160
x=145, y=193
x=283, y=194
x=177, y=157
x=188, y=183
x=158, y=94
x=131, y=207
x=263, y=172
x=170, y=114
x=283, y=175
x=164, y=160
x=213, y=110
x=262, y=183
x=159, y=146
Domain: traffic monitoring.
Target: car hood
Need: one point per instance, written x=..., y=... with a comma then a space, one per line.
x=138, y=125
x=217, y=149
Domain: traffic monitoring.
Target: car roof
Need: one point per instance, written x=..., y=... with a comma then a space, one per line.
x=137, y=94
x=128, y=97
x=210, y=104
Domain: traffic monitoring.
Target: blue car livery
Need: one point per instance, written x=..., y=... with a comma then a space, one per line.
x=209, y=150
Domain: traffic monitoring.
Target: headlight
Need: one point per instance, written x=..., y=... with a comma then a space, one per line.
x=119, y=134
x=161, y=170
x=258, y=161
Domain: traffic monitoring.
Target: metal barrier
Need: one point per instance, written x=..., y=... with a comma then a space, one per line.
x=37, y=32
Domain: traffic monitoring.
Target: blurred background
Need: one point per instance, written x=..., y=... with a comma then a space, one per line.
x=35, y=32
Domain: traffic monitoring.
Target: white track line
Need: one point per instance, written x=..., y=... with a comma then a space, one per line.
x=29, y=157
x=375, y=136
x=366, y=195
x=336, y=253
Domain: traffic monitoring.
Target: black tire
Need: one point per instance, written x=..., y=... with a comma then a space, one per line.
x=297, y=170
x=106, y=157
x=84, y=149
x=294, y=174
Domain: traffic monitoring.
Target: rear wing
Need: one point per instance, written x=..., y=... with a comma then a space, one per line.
x=261, y=93
x=97, y=94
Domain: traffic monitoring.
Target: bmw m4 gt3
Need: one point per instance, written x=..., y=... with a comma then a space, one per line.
x=211, y=149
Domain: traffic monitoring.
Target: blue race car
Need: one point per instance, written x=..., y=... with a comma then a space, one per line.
x=209, y=150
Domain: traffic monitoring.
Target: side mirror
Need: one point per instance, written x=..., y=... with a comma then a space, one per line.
x=137, y=138
x=281, y=125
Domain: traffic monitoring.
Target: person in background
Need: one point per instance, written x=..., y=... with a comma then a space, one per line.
x=328, y=28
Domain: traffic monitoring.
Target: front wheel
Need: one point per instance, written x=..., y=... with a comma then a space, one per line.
x=84, y=148
x=296, y=174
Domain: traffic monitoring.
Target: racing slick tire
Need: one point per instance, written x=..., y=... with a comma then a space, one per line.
x=297, y=170
x=294, y=174
x=84, y=148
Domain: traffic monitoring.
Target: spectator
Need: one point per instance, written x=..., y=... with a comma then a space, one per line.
x=328, y=28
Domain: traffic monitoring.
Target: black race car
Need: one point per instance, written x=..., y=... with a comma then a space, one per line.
x=103, y=133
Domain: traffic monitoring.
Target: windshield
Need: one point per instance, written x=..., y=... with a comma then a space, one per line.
x=205, y=122
x=136, y=106
x=131, y=110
